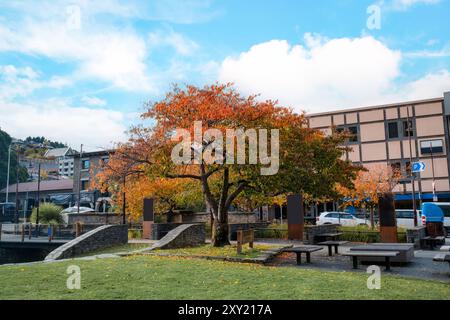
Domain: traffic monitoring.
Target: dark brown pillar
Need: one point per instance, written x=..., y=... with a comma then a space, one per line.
x=388, y=223
x=148, y=219
x=295, y=217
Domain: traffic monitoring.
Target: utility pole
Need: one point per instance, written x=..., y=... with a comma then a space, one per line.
x=413, y=183
x=79, y=179
x=7, y=175
x=38, y=195
x=16, y=218
x=432, y=170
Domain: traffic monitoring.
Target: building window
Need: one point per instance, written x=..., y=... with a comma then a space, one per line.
x=85, y=164
x=352, y=130
x=393, y=130
x=408, y=170
x=104, y=161
x=396, y=166
x=85, y=185
x=432, y=146
x=408, y=129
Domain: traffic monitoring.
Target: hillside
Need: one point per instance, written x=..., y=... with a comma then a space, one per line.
x=5, y=141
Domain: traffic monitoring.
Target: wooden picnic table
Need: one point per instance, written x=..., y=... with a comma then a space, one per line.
x=442, y=257
x=303, y=249
x=378, y=254
x=332, y=236
x=332, y=244
x=432, y=241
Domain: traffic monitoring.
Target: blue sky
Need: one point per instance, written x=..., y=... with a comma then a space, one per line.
x=79, y=71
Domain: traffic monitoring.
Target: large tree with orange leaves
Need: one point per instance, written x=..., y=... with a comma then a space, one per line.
x=309, y=162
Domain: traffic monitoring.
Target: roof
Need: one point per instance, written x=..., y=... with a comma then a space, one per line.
x=50, y=185
x=399, y=104
x=57, y=152
x=98, y=153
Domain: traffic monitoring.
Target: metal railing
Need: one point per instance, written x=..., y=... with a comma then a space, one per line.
x=44, y=232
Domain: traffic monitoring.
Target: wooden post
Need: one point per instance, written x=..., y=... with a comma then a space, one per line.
x=22, y=232
x=77, y=229
x=243, y=237
x=239, y=241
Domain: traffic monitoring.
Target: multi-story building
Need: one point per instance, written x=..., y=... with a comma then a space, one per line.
x=398, y=134
x=86, y=166
x=64, y=158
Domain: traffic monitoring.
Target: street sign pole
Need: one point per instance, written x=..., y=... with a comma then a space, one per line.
x=413, y=183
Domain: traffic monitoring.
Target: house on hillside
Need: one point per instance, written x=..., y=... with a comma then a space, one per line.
x=64, y=158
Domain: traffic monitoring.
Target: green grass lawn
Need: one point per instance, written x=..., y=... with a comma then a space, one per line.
x=115, y=249
x=227, y=251
x=151, y=277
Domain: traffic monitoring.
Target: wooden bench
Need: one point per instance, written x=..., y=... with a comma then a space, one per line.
x=327, y=236
x=332, y=244
x=243, y=237
x=387, y=255
x=442, y=257
x=303, y=249
x=432, y=242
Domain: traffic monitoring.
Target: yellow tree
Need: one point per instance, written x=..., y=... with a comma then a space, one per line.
x=368, y=186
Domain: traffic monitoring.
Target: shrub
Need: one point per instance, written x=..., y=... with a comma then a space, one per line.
x=366, y=234
x=49, y=213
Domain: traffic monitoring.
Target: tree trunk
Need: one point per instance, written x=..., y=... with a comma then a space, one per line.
x=372, y=222
x=219, y=236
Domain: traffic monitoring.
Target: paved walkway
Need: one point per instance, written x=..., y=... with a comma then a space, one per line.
x=422, y=266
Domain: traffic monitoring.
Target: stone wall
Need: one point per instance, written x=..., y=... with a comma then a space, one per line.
x=93, y=218
x=414, y=235
x=311, y=231
x=233, y=217
x=159, y=230
x=99, y=238
x=234, y=227
x=186, y=235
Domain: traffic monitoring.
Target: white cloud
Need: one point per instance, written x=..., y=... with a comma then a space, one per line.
x=181, y=44
x=406, y=4
x=94, y=101
x=59, y=121
x=20, y=82
x=327, y=74
x=98, y=50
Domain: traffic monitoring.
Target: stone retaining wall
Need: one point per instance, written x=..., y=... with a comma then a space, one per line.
x=93, y=218
x=414, y=235
x=99, y=238
x=186, y=235
x=311, y=231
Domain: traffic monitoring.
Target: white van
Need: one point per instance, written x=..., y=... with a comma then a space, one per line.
x=405, y=218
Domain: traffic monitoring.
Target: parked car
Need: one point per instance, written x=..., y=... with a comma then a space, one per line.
x=405, y=218
x=341, y=218
x=75, y=210
x=7, y=211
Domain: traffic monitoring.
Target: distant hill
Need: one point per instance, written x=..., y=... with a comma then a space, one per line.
x=5, y=141
x=44, y=142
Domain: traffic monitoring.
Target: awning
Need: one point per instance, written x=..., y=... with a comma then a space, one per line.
x=423, y=196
